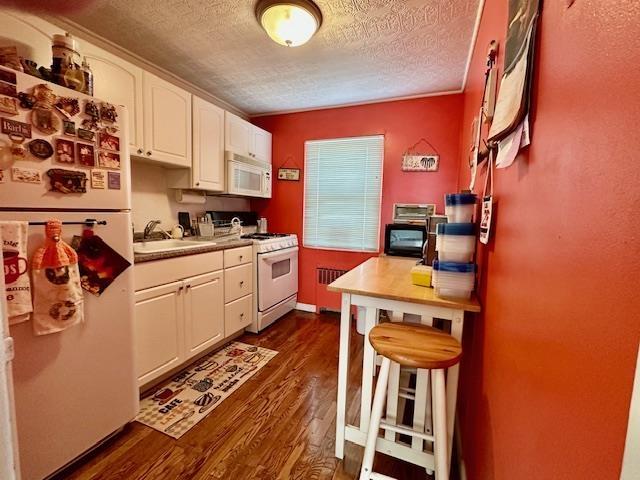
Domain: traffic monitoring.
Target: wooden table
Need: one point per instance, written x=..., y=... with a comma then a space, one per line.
x=384, y=283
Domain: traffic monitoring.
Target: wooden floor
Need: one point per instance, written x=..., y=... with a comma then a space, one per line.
x=278, y=425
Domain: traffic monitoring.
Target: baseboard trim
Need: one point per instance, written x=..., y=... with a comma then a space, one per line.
x=306, y=307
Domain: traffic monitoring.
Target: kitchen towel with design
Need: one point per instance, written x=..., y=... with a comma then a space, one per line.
x=58, y=299
x=16, y=278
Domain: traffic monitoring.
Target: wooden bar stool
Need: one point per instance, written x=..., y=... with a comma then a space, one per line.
x=421, y=347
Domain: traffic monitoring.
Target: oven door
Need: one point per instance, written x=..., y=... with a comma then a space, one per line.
x=277, y=277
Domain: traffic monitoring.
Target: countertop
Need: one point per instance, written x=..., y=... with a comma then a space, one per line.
x=390, y=278
x=149, y=257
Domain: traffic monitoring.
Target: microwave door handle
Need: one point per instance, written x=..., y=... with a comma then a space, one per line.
x=271, y=258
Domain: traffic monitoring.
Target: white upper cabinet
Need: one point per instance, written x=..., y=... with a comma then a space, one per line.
x=119, y=82
x=208, y=146
x=167, y=122
x=261, y=145
x=237, y=134
x=246, y=139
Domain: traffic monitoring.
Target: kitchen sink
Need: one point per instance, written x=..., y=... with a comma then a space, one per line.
x=157, y=246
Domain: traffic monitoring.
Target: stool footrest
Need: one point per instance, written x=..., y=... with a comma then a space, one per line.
x=406, y=431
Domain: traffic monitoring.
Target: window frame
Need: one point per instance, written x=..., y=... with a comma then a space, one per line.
x=304, y=197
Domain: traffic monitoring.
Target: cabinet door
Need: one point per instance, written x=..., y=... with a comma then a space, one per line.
x=119, y=82
x=208, y=146
x=167, y=122
x=159, y=330
x=237, y=134
x=204, y=311
x=261, y=144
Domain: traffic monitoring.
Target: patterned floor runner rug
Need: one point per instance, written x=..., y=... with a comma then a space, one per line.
x=177, y=406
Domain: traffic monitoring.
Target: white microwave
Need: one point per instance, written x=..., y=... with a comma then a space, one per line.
x=247, y=176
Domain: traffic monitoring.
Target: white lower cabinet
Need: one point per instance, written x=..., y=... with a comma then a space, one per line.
x=191, y=310
x=204, y=311
x=159, y=330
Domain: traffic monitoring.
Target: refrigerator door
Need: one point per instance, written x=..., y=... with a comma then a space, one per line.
x=15, y=194
x=8, y=437
x=76, y=387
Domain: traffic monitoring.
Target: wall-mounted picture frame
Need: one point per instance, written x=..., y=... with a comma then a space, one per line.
x=290, y=174
x=420, y=163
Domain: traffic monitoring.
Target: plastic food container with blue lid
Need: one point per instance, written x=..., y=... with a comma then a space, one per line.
x=453, y=279
x=456, y=242
x=460, y=207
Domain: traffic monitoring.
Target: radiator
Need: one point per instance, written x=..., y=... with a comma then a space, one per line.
x=328, y=275
x=327, y=301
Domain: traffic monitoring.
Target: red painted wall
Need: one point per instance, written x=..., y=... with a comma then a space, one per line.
x=548, y=367
x=403, y=123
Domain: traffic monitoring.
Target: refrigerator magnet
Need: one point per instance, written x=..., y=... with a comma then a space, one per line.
x=99, y=179
x=8, y=77
x=91, y=109
x=64, y=151
x=25, y=175
x=68, y=106
x=9, y=105
x=86, y=154
x=87, y=135
x=108, y=142
x=113, y=180
x=69, y=128
x=108, y=159
x=44, y=120
x=67, y=181
x=40, y=148
x=8, y=89
x=108, y=113
x=9, y=126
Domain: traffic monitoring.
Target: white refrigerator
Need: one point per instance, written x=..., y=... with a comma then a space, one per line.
x=77, y=387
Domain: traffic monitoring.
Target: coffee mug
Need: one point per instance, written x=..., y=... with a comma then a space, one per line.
x=12, y=266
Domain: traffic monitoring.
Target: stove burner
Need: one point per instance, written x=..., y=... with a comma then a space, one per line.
x=264, y=236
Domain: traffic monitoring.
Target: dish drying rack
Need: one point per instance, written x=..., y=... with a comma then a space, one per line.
x=223, y=230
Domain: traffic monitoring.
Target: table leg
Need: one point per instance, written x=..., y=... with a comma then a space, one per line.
x=343, y=373
x=393, y=387
x=368, y=368
x=452, y=382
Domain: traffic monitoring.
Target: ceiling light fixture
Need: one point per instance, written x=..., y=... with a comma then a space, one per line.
x=291, y=23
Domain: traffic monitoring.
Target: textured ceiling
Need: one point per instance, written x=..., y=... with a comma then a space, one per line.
x=365, y=50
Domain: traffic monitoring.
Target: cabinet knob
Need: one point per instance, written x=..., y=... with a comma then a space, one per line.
x=149, y=152
x=241, y=257
x=140, y=151
x=241, y=315
x=188, y=287
x=197, y=184
x=241, y=282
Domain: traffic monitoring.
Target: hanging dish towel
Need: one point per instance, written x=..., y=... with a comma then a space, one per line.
x=57, y=299
x=16, y=277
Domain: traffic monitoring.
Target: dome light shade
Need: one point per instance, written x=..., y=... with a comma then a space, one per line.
x=291, y=23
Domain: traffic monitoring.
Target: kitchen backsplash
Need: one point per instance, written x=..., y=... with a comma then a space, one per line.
x=152, y=200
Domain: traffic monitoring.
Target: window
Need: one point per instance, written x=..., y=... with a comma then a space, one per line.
x=342, y=189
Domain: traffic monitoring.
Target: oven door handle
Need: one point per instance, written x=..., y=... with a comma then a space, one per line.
x=271, y=258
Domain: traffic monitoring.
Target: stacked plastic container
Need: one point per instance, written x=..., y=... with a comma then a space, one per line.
x=454, y=272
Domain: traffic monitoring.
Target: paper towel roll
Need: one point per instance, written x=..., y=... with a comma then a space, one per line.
x=183, y=196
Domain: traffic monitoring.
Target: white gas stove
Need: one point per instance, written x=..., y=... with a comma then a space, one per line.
x=275, y=277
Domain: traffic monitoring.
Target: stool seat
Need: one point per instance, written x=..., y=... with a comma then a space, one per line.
x=414, y=345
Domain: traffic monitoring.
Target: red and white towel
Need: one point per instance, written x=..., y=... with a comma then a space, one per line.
x=16, y=276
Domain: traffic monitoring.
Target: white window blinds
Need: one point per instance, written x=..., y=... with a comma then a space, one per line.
x=342, y=189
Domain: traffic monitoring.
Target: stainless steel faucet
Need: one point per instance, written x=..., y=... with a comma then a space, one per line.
x=151, y=226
